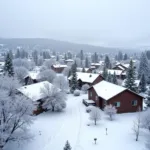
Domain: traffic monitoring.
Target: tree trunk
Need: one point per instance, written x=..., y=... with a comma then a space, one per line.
x=52, y=109
x=95, y=121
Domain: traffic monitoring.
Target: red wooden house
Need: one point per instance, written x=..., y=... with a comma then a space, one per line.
x=58, y=68
x=105, y=93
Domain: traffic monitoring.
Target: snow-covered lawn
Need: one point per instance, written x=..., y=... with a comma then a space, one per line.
x=51, y=130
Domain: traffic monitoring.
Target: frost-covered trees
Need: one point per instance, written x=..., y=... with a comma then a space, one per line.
x=107, y=63
x=67, y=146
x=114, y=78
x=66, y=71
x=143, y=67
x=130, y=80
x=143, y=84
x=95, y=114
x=49, y=63
x=86, y=62
x=137, y=125
x=47, y=75
x=8, y=67
x=109, y=77
x=105, y=73
x=148, y=98
x=21, y=63
x=55, y=99
x=85, y=88
x=110, y=110
x=61, y=82
x=20, y=73
x=146, y=120
x=73, y=82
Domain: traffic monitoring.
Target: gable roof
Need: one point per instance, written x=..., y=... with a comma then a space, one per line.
x=107, y=90
x=33, y=75
x=33, y=91
x=86, y=77
x=59, y=66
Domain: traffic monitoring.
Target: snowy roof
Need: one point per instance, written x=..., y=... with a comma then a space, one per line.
x=95, y=64
x=121, y=67
x=126, y=65
x=86, y=77
x=107, y=90
x=33, y=91
x=59, y=66
x=33, y=75
x=70, y=60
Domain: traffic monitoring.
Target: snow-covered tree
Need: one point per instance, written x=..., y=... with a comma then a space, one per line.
x=8, y=67
x=35, y=56
x=95, y=114
x=61, y=82
x=67, y=146
x=49, y=63
x=20, y=73
x=125, y=57
x=21, y=63
x=109, y=77
x=143, y=84
x=110, y=110
x=137, y=125
x=10, y=84
x=146, y=120
x=15, y=118
x=76, y=93
x=105, y=73
x=55, y=99
x=66, y=71
x=114, y=78
x=85, y=88
x=40, y=61
x=130, y=80
x=73, y=82
x=148, y=98
x=86, y=62
x=78, y=62
x=107, y=62
x=47, y=75
x=143, y=67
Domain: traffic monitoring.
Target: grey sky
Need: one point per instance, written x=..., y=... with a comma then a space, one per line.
x=120, y=23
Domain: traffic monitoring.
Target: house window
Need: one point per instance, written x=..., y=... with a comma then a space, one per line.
x=96, y=98
x=134, y=102
x=91, y=94
x=117, y=104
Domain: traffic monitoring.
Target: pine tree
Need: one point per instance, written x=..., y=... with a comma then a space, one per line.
x=105, y=73
x=143, y=67
x=130, y=80
x=17, y=55
x=125, y=57
x=57, y=58
x=114, y=79
x=109, y=77
x=65, y=57
x=74, y=84
x=143, y=83
x=8, y=67
x=107, y=62
x=120, y=56
x=83, y=69
x=67, y=146
x=86, y=62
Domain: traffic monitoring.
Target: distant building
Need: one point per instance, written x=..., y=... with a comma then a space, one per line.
x=58, y=68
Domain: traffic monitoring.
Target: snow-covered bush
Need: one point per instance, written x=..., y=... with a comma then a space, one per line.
x=95, y=114
x=47, y=75
x=85, y=88
x=55, y=98
x=61, y=82
x=146, y=120
x=110, y=110
x=76, y=93
x=20, y=73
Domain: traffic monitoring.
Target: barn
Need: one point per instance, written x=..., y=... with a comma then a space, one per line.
x=105, y=93
x=58, y=68
x=87, y=78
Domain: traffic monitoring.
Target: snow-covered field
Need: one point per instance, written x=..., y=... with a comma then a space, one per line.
x=51, y=130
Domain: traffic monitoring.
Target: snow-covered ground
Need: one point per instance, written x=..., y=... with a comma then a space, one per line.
x=51, y=130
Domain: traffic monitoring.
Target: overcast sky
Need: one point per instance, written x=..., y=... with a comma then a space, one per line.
x=116, y=23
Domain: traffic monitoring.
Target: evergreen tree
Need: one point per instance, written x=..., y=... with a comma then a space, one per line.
x=125, y=57
x=57, y=58
x=86, y=62
x=143, y=84
x=107, y=62
x=74, y=84
x=105, y=73
x=120, y=56
x=114, y=78
x=8, y=67
x=109, y=77
x=130, y=80
x=95, y=57
x=17, y=55
x=35, y=56
x=143, y=67
x=67, y=146
x=65, y=57
x=83, y=69
x=81, y=55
